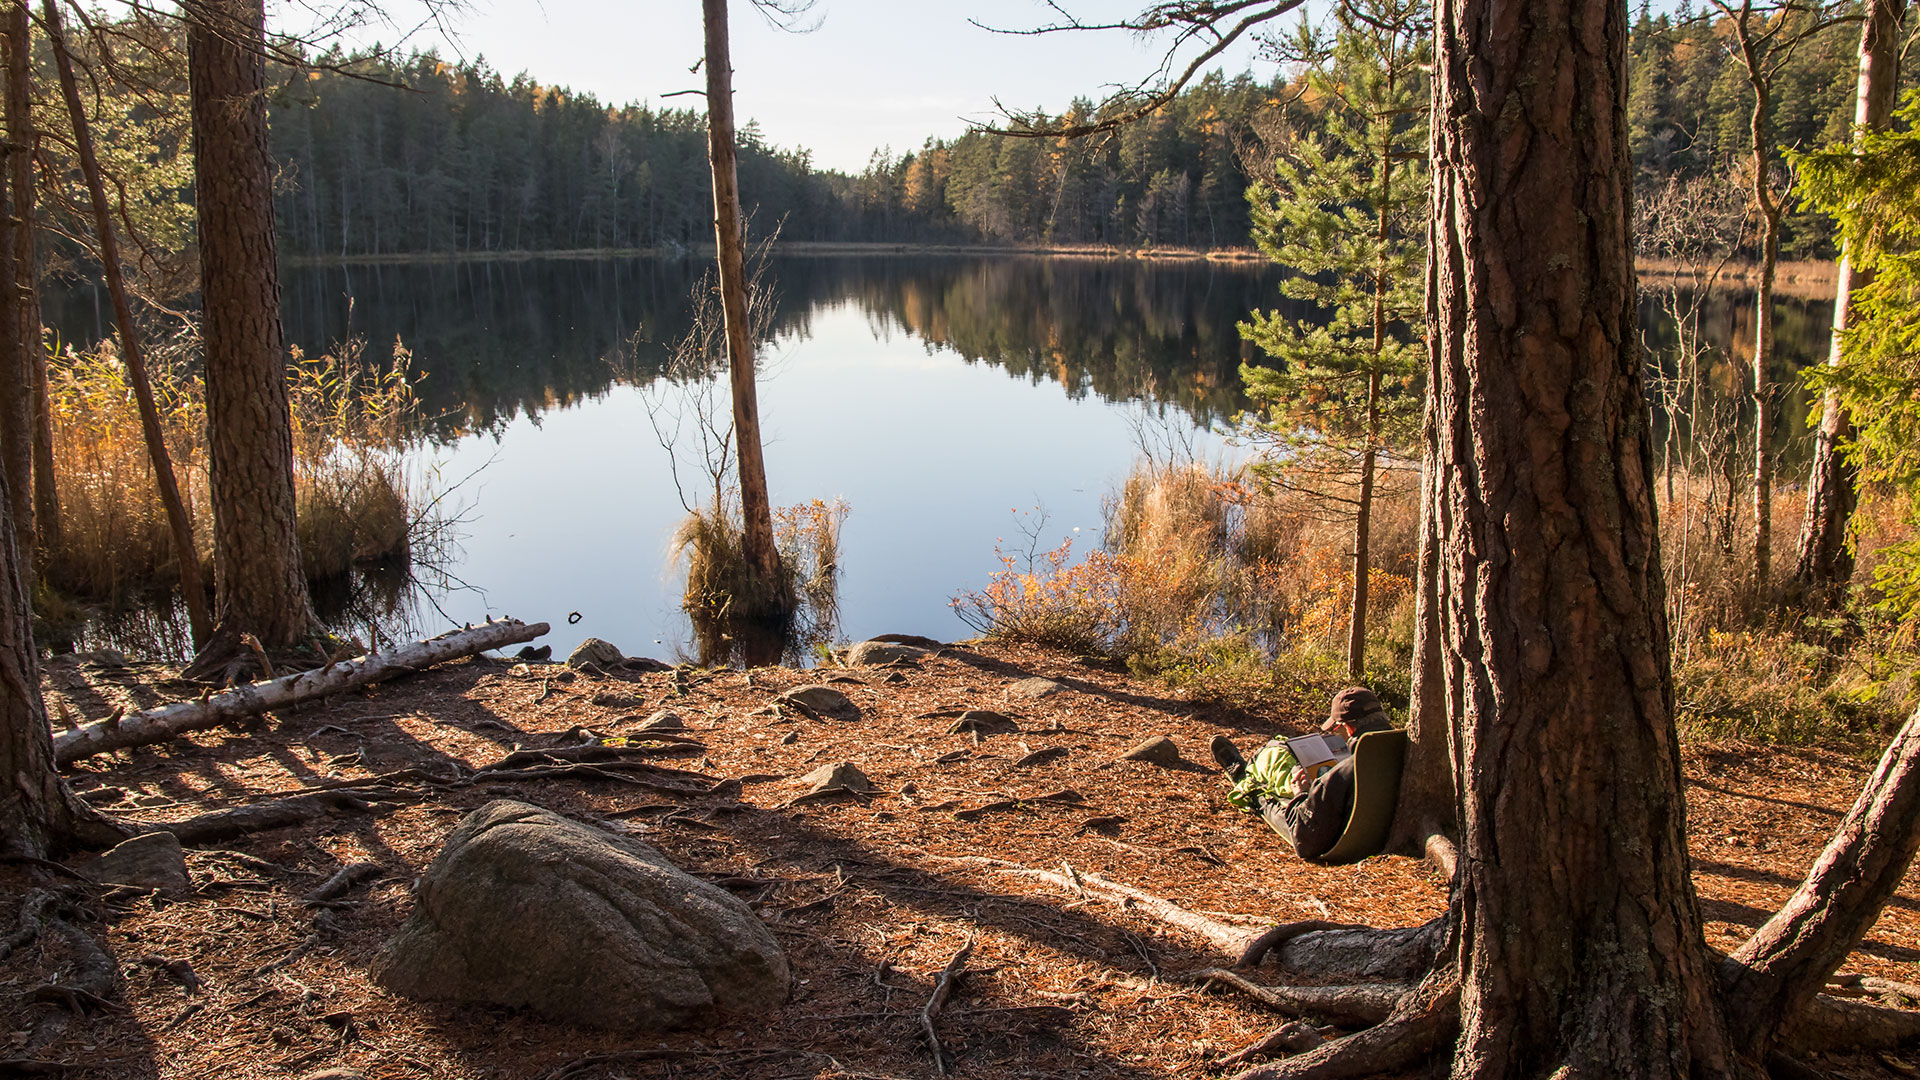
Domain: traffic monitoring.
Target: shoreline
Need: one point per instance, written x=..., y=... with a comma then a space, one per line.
x=1806, y=279
x=811, y=248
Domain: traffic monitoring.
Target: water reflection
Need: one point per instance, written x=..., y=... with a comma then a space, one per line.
x=936, y=395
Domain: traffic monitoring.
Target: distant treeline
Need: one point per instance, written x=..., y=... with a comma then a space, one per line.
x=473, y=162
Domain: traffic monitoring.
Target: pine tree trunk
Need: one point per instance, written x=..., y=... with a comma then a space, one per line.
x=186, y=555
x=16, y=397
x=1580, y=935
x=30, y=800
x=22, y=140
x=1832, y=490
x=38, y=815
x=260, y=587
x=729, y=237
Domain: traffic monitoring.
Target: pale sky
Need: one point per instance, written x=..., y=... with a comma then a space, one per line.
x=876, y=73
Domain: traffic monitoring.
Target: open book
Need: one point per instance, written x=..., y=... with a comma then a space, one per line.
x=1319, y=751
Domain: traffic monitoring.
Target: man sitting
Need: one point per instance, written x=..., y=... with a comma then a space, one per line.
x=1311, y=815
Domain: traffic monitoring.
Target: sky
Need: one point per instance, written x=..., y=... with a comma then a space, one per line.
x=873, y=74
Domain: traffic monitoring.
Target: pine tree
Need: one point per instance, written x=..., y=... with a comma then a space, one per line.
x=1346, y=210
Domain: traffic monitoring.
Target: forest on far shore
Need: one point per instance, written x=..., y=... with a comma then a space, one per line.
x=477, y=162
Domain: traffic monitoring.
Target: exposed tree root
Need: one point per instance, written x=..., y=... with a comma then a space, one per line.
x=942, y=987
x=280, y=813
x=34, y=908
x=1425, y=1022
x=1292, y=1037
x=1363, y=1003
x=1226, y=937
x=1832, y=1023
x=1402, y=954
x=90, y=975
x=1280, y=934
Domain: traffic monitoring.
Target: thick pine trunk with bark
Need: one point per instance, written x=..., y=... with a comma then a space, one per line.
x=756, y=508
x=1580, y=934
x=16, y=393
x=1832, y=489
x=38, y=815
x=259, y=584
x=21, y=142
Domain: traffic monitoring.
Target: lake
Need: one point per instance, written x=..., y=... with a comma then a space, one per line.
x=954, y=403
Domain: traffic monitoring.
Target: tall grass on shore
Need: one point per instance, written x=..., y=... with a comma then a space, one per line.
x=1238, y=593
x=353, y=421
x=738, y=619
x=1209, y=580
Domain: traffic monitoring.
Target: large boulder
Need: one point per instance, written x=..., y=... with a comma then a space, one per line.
x=523, y=907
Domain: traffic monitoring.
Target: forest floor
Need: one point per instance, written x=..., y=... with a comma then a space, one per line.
x=870, y=898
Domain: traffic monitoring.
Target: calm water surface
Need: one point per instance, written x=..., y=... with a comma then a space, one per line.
x=949, y=401
x=945, y=401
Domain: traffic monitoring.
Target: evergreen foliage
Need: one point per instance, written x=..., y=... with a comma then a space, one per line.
x=1872, y=193
x=1346, y=210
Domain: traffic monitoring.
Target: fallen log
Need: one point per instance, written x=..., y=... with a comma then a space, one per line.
x=170, y=721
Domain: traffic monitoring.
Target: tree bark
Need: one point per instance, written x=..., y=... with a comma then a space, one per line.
x=1774, y=976
x=38, y=815
x=16, y=394
x=260, y=587
x=158, y=725
x=22, y=139
x=756, y=508
x=185, y=554
x=1825, y=559
x=1581, y=945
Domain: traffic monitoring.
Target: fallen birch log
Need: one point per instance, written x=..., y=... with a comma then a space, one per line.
x=169, y=721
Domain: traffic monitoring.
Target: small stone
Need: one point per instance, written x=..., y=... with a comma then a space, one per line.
x=822, y=703
x=983, y=722
x=1158, y=750
x=841, y=776
x=597, y=652
x=644, y=663
x=790, y=738
x=1034, y=688
x=663, y=720
x=540, y=655
x=613, y=699
x=335, y=1074
x=870, y=653
x=150, y=861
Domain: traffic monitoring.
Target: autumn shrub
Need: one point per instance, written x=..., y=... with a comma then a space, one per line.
x=1208, y=580
x=353, y=424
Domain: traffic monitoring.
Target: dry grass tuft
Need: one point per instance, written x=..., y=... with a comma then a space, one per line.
x=352, y=423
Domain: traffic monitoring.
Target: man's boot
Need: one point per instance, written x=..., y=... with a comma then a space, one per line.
x=1227, y=756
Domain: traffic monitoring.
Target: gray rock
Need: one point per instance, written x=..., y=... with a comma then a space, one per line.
x=614, y=699
x=663, y=720
x=1158, y=750
x=151, y=861
x=983, y=722
x=644, y=663
x=914, y=640
x=523, y=907
x=870, y=653
x=822, y=702
x=843, y=776
x=1034, y=688
x=594, y=651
